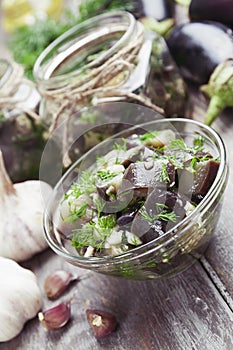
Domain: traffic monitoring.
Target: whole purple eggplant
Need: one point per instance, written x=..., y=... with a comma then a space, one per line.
x=215, y=10
x=198, y=47
x=157, y=9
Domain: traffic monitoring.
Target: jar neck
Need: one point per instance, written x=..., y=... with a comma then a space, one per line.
x=83, y=48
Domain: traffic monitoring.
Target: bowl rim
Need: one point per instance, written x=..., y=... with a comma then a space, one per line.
x=168, y=236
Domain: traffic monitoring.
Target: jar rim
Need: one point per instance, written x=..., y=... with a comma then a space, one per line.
x=168, y=236
x=42, y=74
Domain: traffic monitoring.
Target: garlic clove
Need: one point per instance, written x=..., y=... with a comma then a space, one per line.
x=57, y=282
x=103, y=323
x=56, y=317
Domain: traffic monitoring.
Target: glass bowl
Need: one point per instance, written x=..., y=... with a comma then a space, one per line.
x=170, y=253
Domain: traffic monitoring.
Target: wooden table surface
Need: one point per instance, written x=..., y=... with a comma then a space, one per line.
x=192, y=311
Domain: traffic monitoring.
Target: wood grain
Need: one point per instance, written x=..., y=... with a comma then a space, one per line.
x=220, y=252
x=182, y=313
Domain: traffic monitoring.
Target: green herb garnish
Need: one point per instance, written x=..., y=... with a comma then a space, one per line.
x=85, y=185
x=176, y=162
x=120, y=147
x=178, y=144
x=99, y=206
x=164, y=177
x=163, y=215
x=105, y=175
x=85, y=237
x=94, y=234
x=199, y=142
x=149, y=135
x=101, y=160
x=76, y=213
x=106, y=222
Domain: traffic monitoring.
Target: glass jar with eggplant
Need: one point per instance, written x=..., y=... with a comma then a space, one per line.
x=142, y=204
x=21, y=134
x=108, y=58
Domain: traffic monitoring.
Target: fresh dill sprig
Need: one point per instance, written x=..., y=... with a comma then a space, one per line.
x=105, y=175
x=101, y=160
x=177, y=163
x=94, y=234
x=76, y=213
x=149, y=135
x=163, y=214
x=164, y=177
x=178, y=144
x=193, y=165
x=121, y=147
x=85, y=237
x=84, y=185
x=106, y=222
x=99, y=204
x=198, y=142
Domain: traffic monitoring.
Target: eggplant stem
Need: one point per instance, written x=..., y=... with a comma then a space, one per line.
x=160, y=27
x=214, y=109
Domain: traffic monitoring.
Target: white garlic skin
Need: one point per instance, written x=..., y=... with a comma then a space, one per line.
x=20, y=298
x=21, y=224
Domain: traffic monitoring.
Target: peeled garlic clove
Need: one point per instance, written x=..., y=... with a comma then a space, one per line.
x=57, y=282
x=56, y=317
x=102, y=322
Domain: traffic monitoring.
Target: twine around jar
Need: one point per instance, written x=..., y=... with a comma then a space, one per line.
x=99, y=81
x=15, y=78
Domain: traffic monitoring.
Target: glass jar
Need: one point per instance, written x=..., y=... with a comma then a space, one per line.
x=108, y=58
x=172, y=252
x=21, y=135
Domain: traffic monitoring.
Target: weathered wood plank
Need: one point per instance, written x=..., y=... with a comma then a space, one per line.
x=220, y=251
x=182, y=313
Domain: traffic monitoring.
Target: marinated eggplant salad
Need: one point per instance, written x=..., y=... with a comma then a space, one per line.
x=144, y=186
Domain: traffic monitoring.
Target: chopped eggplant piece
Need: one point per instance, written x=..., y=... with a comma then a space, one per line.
x=144, y=175
x=204, y=178
x=195, y=185
x=128, y=215
x=161, y=211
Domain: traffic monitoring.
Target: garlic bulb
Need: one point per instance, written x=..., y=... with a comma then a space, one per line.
x=20, y=298
x=21, y=207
